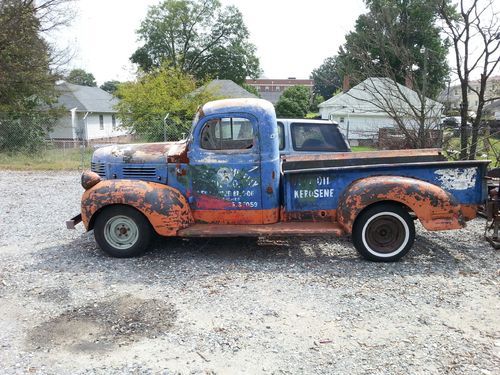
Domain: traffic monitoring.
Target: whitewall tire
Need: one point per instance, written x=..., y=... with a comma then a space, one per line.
x=384, y=232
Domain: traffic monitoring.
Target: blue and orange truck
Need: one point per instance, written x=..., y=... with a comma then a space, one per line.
x=229, y=180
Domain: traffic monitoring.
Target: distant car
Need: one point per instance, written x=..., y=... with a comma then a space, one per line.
x=453, y=122
x=303, y=136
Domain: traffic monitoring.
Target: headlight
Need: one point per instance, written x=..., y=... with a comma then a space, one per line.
x=90, y=179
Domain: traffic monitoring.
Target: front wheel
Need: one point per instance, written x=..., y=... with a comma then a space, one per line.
x=122, y=232
x=383, y=233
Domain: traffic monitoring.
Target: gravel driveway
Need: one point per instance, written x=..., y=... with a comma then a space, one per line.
x=233, y=305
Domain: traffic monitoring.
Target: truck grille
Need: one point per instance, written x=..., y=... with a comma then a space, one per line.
x=99, y=168
x=146, y=173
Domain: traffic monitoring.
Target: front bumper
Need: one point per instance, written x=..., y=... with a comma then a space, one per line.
x=70, y=224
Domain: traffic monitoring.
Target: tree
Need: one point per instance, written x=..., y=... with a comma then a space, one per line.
x=390, y=38
x=398, y=44
x=315, y=102
x=294, y=102
x=198, y=37
x=474, y=29
x=81, y=77
x=145, y=103
x=27, y=77
x=251, y=89
x=110, y=86
x=327, y=78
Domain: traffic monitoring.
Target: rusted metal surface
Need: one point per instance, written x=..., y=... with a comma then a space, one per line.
x=292, y=166
x=236, y=185
x=90, y=179
x=314, y=216
x=165, y=208
x=141, y=153
x=492, y=209
x=241, y=217
x=269, y=230
x=70, y=224
x=365, y=155
x=434, y=207
x=377, y=163
x=177, y=153
x=469, y=211
x=242, y=190
x=351, y=159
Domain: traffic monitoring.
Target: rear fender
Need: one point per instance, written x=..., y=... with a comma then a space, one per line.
x=165, y=207
x=434, y=207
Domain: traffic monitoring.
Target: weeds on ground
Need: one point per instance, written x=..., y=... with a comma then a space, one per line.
x=50, y=159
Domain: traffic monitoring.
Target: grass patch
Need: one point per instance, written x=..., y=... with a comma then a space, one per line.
x=362, y=148
x=48, y=160
x=490, y=151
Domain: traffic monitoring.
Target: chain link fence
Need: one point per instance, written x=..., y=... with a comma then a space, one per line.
x=32, y=141
x=35, y=142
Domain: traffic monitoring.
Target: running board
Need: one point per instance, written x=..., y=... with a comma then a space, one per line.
x=265, y=230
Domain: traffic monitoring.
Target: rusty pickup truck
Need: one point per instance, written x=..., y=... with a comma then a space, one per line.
x=228, y=180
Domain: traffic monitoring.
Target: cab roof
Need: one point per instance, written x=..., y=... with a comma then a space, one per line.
x=249, y=105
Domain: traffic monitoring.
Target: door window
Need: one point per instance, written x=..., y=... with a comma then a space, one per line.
x=228, y=133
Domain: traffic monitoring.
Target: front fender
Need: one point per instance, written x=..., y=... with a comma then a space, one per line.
x=434, y=207
x=165, y=207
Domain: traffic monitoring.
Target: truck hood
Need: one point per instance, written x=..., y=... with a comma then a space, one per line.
x=141, y=153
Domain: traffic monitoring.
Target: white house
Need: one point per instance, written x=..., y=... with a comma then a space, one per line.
x=366, y=108
x=90, y=114
x=493, y=110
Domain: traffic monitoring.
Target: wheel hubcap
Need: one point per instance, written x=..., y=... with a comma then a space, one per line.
x=385, y=234
x=121, y=232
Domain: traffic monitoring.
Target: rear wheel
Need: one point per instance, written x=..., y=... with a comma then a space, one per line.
x=383, y=233
x=122, y=232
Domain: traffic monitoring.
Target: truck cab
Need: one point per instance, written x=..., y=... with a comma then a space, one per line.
x=228, y=179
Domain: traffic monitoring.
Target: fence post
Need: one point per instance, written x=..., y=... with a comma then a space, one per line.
x=165, y=127
x=82, y=150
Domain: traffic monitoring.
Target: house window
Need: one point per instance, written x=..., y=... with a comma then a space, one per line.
x=101, y=122
x=341, y=119
x=266, y=88
x=113, y=121
x=277, y=88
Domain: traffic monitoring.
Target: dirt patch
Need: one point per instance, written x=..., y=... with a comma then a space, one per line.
x=104, y=325
x=55, y=295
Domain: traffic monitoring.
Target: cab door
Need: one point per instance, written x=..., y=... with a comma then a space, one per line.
x=225, y=170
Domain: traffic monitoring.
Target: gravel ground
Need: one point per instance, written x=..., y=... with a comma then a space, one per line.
x=235, y=306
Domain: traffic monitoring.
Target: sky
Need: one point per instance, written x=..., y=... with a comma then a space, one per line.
x=292, y=37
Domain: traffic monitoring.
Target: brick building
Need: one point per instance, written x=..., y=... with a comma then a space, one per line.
x=271, y=89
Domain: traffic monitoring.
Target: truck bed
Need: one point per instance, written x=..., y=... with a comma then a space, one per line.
x=317, y=182
x=305, y=162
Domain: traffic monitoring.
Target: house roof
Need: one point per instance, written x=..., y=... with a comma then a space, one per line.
x=280, y=82
x=226, y=88
x=369, y=96
x=492, y=107
x=85, y=98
